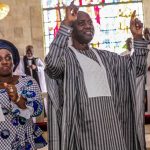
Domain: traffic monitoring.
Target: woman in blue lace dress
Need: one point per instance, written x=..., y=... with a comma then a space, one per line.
x=20, y=100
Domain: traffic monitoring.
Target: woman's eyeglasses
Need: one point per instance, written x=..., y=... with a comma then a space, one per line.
x=7, y=58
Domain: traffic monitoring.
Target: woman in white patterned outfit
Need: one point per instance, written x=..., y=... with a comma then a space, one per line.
x=20, y=100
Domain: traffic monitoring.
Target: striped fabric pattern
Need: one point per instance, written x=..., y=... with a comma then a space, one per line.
x=140, y=110
x=54, y=114
x=101, y=123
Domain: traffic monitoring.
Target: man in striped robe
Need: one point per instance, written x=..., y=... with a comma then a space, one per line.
x=99, y=108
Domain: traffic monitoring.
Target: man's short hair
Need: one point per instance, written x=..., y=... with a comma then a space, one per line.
x=129, y=40
x=29, y=48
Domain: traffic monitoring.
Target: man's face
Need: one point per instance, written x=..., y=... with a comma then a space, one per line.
x=29, y=53
x=83, y=30
x=6, y=62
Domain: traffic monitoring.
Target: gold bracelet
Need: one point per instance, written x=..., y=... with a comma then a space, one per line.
x=18, y=99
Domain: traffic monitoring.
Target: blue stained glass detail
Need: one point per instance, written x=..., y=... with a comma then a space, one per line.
x=118, y=12
x=29, y=83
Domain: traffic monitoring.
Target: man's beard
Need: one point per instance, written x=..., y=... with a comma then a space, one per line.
x=30, y=57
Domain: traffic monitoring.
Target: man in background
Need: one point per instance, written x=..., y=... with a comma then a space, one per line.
x=34, y=67
x=128, y=46
x=147, y=85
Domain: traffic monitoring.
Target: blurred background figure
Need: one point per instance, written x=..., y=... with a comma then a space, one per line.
x=147, y=86
x=147, y=34
x=128, y=47
x=34, y=67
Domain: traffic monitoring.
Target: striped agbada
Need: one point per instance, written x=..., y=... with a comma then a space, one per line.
x=77, y=122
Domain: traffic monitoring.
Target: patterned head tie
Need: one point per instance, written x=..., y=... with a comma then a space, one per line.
x=4, y=44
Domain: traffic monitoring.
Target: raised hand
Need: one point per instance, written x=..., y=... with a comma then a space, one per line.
x=14, y=97
x=71, y=14
x=11, y=91
x=136, y=27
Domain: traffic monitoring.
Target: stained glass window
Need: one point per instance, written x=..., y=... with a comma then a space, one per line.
x=111, y=20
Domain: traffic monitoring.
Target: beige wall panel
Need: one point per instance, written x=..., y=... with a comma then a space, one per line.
x=23, y=25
